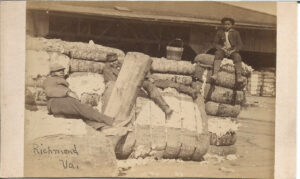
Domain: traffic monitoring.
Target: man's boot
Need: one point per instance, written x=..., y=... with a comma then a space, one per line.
x=163, y=105
x=238, y=70
x=217, y=65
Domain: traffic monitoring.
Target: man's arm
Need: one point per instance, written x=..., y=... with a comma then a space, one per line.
x=239, y=44
x=57, y=88
x=72, y=94
x=57, y=91
x=217, y=40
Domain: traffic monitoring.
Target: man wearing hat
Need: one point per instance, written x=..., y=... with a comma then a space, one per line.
x=63, y=101
x=228, y=44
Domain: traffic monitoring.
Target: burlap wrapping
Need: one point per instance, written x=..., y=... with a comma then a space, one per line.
x=162, y=65
x=222, y=110
x=77, y=65
x=183, y=79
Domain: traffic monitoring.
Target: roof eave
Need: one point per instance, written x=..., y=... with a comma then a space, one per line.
x=135, y=16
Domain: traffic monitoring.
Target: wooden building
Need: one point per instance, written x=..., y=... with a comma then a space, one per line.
x=149, y=26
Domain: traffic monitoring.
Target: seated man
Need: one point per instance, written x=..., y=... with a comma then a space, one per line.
x=110, y=73
x=228, y=43
x=63, y=101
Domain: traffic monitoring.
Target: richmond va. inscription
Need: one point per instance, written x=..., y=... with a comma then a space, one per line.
x=40, y=149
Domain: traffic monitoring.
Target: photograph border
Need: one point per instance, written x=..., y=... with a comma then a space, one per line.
x=12, y=53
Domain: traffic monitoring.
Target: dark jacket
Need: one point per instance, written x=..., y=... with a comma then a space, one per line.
x=56, y=87
x=233, y=37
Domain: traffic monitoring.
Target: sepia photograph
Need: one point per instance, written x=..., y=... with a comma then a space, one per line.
x=150, y=89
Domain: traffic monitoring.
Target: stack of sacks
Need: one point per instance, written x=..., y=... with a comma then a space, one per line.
x=222, y=136
x=78, y=50
x=269, y=83
x=175, y=74
x=41, y=53
x=182, y=136
x=91, y=57
x=37, y=69
x=255, y=83
x=89, y=87
x=224, y=97
x=85, y=57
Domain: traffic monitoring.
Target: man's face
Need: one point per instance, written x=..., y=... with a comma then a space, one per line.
x=117, y=64
x=227, y=25
x=59, y=73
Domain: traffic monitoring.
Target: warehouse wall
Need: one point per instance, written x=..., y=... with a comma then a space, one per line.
x=201, y=38
x=37, y=23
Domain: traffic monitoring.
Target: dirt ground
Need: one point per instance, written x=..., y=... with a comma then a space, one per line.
x=254, y=157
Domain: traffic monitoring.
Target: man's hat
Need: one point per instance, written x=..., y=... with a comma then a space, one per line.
x=56, y=67
x=227, y=19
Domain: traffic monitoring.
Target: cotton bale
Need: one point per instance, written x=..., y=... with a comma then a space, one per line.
x=35, y=96
x=162, y=65
x=180, y=136
x=37, y=63
x=222, y=110
x=228, y=80
x=183, y=79
x=225, y=95
x=222, y=131
x=78, y=65
x=179, y=87
x=88, y=86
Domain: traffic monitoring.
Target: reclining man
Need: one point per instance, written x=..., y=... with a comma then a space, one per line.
x=228, y=43
x=110, y=73
x=63, y=101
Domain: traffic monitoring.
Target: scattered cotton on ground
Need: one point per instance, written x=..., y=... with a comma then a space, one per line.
x=221, y=126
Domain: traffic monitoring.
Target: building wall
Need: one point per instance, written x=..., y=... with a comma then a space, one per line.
x=259, y=40
x=37, y=23
x=201, y=38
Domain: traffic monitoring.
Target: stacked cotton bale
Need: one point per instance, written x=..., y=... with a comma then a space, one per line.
x=224, y=97
x=182, y=136
x=255, y=82
x=74, y=56
x=174, y=74
x=223, y=100
x=77, y=50
x=269, y=83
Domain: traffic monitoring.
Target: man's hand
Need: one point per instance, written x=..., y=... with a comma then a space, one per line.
x=226, y=51
x=230, y=52
x=72, y=94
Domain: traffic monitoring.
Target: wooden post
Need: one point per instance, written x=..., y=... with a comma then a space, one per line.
x=134, y=69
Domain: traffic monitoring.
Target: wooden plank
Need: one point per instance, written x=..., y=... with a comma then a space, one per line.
x=123, y=96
